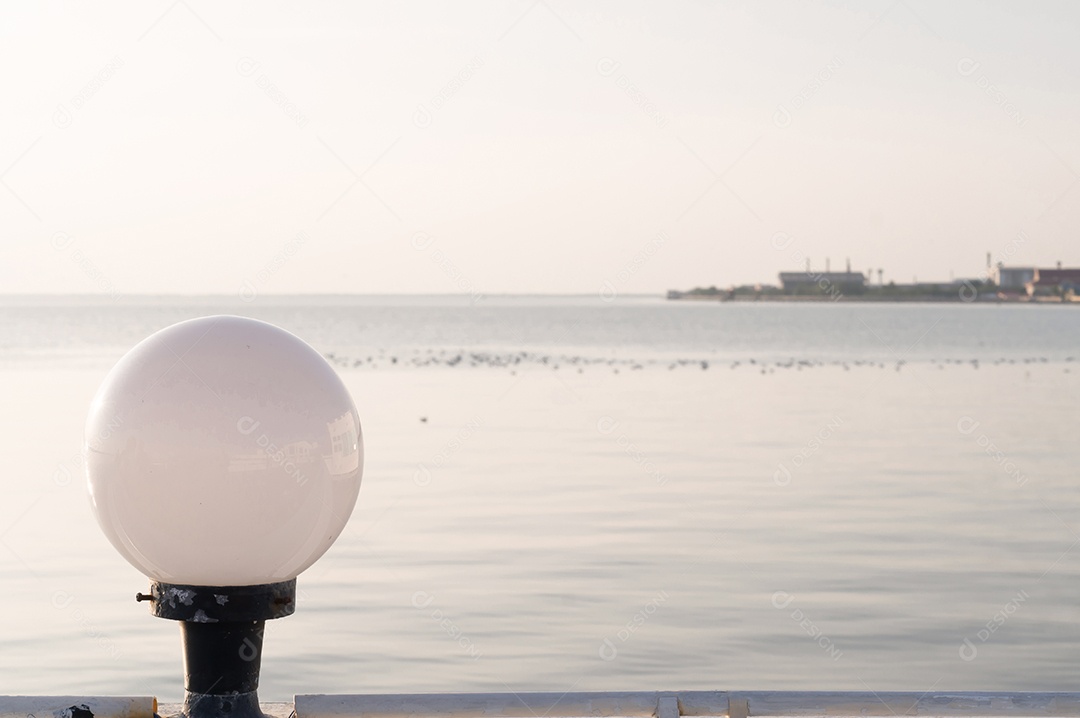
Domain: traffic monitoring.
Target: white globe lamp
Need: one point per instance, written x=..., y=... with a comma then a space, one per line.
x=224, y=457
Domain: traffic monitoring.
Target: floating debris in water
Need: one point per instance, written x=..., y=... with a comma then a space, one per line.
x=454, y=358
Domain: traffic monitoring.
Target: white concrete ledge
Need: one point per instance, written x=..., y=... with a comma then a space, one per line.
x=663, y=704
x=635, y=704
x=936, y=703
x=77, y=707
x=476, y=705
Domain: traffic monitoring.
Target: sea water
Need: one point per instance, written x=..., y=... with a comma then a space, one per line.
x=563, y=493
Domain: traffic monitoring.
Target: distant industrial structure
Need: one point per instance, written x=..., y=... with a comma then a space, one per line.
x=997, y=283
x=1036, y=281
x=1033, y=281
x=794, y=282
x=801, y=282
x=1012, y=277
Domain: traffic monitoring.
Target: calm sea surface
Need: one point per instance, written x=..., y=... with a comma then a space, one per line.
x=631, y=495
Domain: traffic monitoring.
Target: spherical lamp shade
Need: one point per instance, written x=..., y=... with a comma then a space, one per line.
x=223, y=451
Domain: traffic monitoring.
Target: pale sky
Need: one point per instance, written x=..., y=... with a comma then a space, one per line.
x=541, y=146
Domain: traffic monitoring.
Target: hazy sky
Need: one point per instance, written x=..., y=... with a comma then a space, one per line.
x=184, y=146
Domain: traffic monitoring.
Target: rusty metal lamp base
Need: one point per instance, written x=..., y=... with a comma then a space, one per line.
x=222, y=630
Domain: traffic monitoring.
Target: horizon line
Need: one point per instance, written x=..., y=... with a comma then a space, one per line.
x=235, y=295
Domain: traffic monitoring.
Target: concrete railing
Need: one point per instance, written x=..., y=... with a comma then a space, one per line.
x=663, y=704
x=643, y=704
x=77, y=707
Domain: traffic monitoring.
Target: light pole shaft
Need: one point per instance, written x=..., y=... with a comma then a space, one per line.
x=221, y=668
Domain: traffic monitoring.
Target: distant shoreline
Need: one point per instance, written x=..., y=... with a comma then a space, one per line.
x=867, y=299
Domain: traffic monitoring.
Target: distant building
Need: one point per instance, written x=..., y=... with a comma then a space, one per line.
x=802, y=282
x=1057, y=277
x=1013, y=277
x=1050, y=280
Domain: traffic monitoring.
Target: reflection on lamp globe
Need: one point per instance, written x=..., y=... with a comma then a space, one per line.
x=223, y=451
